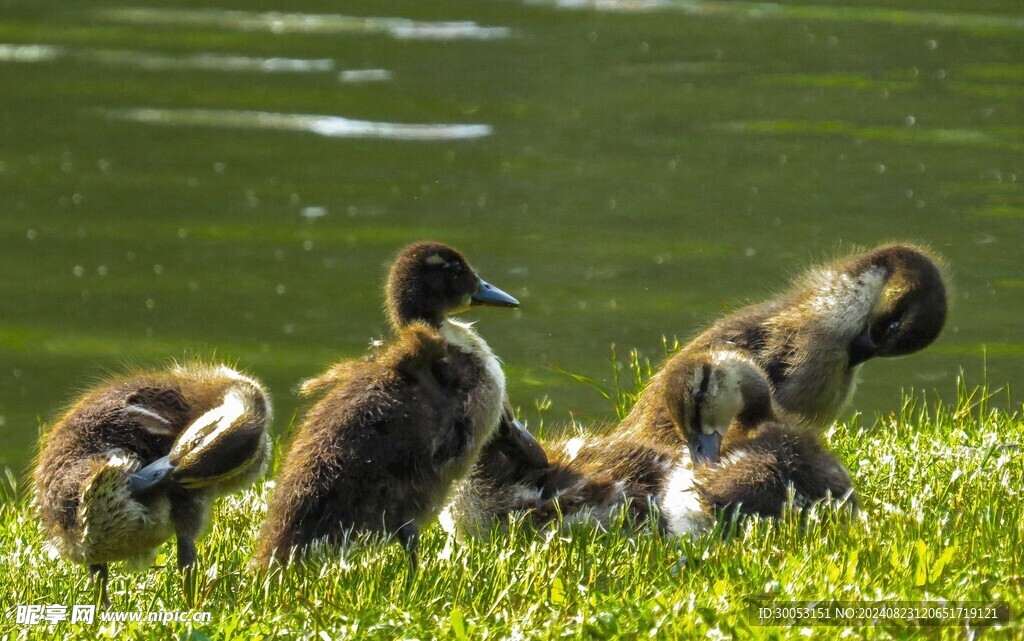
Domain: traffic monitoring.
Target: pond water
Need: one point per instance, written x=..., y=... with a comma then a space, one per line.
x=189, y=179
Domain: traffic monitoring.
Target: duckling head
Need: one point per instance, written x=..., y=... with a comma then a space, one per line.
x=911, y=308
x=430, y=280
x=228, y=445
x=513, y=440
x=712, y=392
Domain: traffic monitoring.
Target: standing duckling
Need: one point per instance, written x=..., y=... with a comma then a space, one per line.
x=390, y=434
x=704, y=437
x=811, y=342
x=140, y=457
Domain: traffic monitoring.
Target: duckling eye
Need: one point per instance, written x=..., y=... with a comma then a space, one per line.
x=889, y=330
x=453, y=266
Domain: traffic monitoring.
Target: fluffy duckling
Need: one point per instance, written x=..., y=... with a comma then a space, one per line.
x=707, y=440
x=140, y=457
x=390, y=434
x=811, y=342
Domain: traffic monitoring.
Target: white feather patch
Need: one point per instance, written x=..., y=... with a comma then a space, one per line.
x=447, y=520
x=235, y=375
x=573, y=446
x=205, y=429
x=462, y=336
x=162, y=427
x=680, y=504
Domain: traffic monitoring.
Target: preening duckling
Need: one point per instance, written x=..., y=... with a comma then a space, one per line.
x=811, y=341
x=140, y=457
x=702, y=438
x=390, y=434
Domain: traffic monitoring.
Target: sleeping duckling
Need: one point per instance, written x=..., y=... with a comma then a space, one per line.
x=390, y=434
x=140, y=457
x=668, y=455
x=811, y=342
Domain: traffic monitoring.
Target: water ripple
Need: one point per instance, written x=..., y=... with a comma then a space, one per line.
x=159, y=61
x=993, y=139
x=330, y=126
x=29, y=53
x=276, y=22
x=757, y=10
x=364, y=75
x=208, y=61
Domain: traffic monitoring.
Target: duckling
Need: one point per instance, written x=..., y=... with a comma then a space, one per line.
x=707, y=439
x=141, y=456
x=388, y=436
x=811, y=342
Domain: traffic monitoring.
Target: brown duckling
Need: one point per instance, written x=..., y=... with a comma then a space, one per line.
x=811, y=341
x=707, y=440
x=380, y=449
x=140, y=457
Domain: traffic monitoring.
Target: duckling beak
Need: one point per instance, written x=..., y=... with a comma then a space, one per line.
x=519, y=445
x=150, y=477
x=706, y=448
x=488, y=294
x=862, y=348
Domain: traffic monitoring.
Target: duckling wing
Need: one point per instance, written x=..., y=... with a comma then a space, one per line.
x=114, y=524
x=750, y=329
x=160, y=410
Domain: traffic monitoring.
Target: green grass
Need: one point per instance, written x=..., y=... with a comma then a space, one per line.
x=942, y=519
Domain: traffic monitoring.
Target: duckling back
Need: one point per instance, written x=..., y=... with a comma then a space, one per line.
x=381, y=448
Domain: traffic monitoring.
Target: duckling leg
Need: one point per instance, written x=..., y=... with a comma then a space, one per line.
x=409, y=537
x=189, y=511
x=100, y=572
x=186, y=552
x=187, y=565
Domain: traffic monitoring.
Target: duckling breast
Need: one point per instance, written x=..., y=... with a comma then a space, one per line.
x=483, y=386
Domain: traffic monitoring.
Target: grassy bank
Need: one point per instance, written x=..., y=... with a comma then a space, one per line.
x=943, y=519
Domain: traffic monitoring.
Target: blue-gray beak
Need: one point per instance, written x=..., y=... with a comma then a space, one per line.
x=519, y=445
x=488, y=294
x=862, y=348
x=150, y=477
x=706, y=448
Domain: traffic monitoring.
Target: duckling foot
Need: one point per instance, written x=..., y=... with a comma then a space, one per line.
x=100, y=572
x=409, y=537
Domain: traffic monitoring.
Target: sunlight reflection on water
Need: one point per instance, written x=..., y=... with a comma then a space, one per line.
x=158, y=61
x=29, y=53
x=364, y=75
x=330, y=126
x=275, y=22
x=810, y=12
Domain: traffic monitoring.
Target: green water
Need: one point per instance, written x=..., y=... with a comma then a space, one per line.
x=628, y=170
